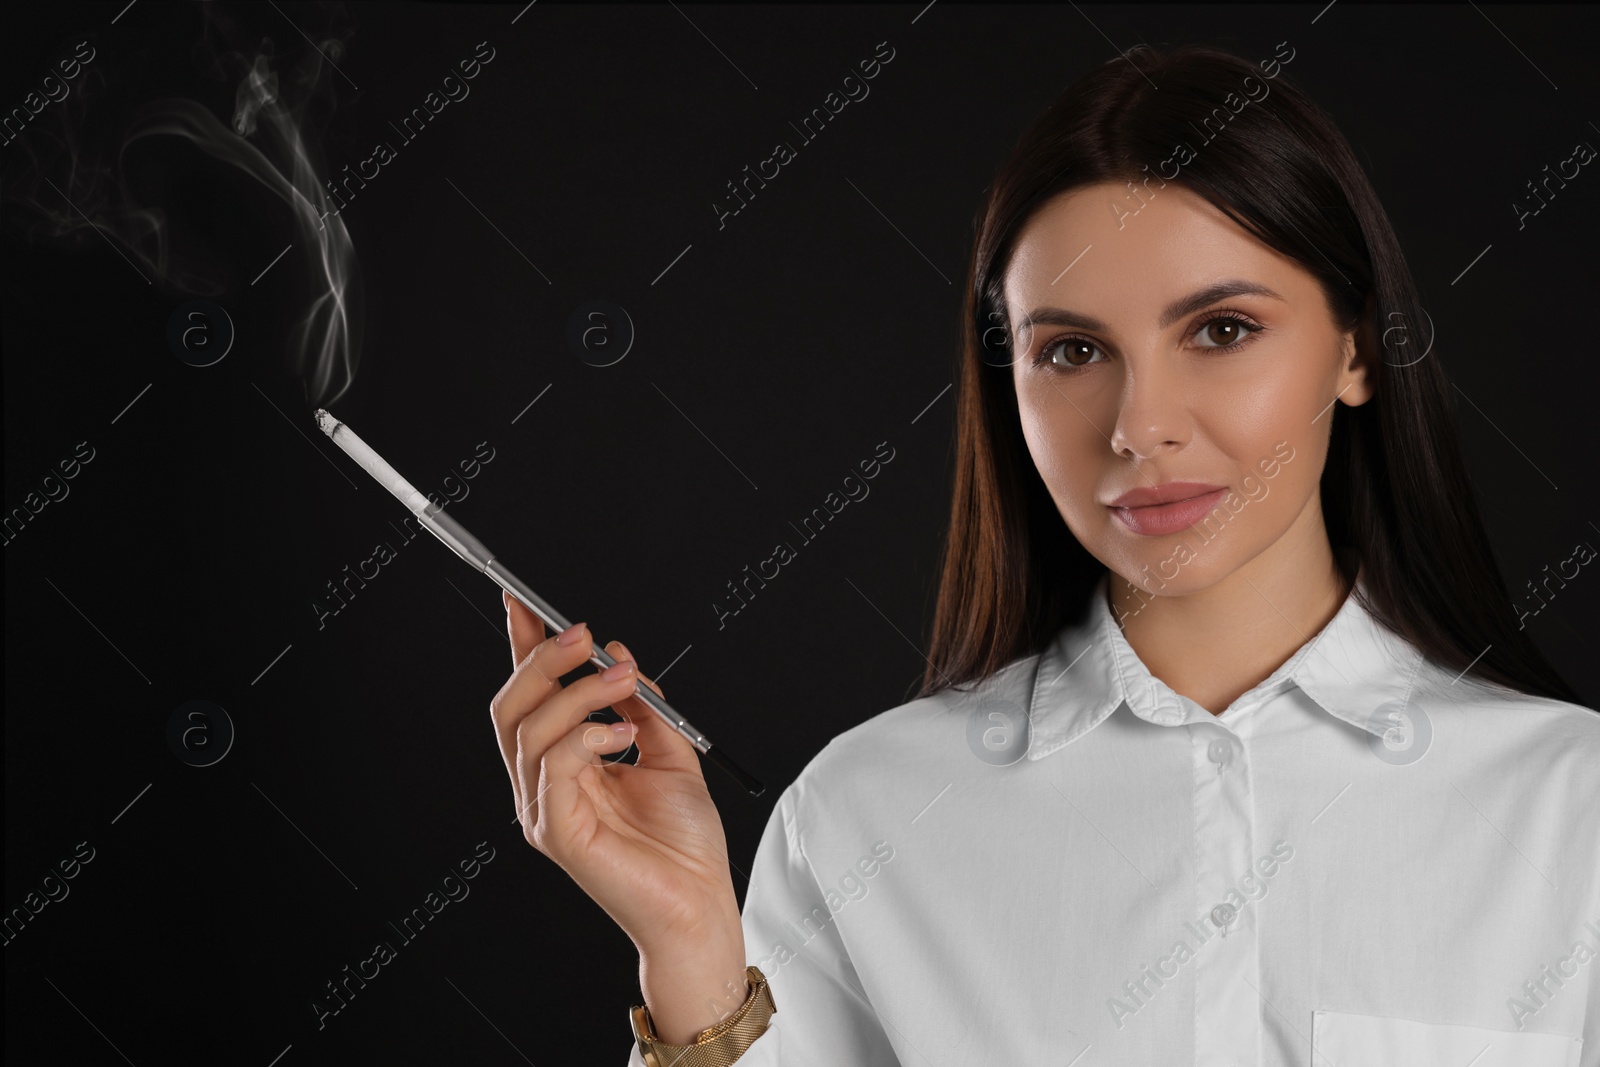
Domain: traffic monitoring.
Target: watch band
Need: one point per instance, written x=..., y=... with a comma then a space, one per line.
x=716, y=1046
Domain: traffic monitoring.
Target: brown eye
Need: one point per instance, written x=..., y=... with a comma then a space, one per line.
x=1224, y=333
x=1078, y=353
x=1074, y=352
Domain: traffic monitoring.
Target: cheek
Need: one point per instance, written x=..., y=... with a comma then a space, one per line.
x=1247, y=417
x=1281, y=410
x=1062, y=442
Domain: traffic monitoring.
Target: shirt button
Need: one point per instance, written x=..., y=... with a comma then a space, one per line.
x=1223, y=914
x=1220, y=752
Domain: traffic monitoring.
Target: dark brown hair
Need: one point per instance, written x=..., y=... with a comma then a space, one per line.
x=1395, y=492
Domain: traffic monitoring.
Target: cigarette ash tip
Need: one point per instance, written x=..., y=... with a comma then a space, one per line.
x=327, y=422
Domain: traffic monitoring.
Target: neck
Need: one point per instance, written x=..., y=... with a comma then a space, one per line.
x=1215, y=644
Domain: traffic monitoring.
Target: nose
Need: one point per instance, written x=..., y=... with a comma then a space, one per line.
x=1153, y=417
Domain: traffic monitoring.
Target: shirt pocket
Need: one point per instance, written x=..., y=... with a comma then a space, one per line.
x=1342, y=1039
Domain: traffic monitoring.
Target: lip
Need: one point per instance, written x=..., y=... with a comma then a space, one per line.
x=1168, y=493
x=1166, y=509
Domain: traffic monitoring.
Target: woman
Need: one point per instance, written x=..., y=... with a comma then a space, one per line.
x=1231, y=749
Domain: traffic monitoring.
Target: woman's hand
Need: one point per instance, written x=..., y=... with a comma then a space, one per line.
x=644, y=841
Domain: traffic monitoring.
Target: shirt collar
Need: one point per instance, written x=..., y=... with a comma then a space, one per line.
x=1352, y=667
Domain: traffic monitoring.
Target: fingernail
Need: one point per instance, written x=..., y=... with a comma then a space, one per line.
x=622, y=727
x=618, y=672
x=570, y=634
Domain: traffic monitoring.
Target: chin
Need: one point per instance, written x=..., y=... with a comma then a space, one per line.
x=1169, y=566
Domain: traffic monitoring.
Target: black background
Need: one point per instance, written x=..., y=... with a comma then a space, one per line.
x=770, y=358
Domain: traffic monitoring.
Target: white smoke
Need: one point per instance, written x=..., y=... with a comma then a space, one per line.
x=266, y=142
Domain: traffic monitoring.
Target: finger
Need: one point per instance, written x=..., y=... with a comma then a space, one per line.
x=533, y=681
x=567, y=707
x=659, y=743
x=619, y=652
x=525, y=628
x=554, y=820
x=543, y=762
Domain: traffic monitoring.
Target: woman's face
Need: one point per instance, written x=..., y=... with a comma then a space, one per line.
x=1172, y=356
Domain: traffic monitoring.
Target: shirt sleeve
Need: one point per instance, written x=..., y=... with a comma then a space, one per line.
x=1591, y=1026
x=823, y=1017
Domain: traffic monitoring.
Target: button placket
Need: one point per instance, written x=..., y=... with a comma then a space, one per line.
x=1227, y=968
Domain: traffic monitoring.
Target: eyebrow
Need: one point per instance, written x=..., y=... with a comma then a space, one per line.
x=1054, y=316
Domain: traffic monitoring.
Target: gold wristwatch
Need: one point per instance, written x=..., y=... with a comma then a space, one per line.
x=717, y=1046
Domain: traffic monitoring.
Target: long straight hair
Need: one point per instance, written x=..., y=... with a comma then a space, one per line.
x=1395, y=493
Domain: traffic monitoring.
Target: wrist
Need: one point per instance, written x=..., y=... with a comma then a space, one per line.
x=710, y=919
x=717, y=1046
x=723, y=938
x=692, y=988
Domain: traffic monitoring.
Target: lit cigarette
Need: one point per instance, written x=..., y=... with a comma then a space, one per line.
x=469, y=548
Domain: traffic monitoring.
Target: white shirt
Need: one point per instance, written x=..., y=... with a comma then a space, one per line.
x=1364, y=860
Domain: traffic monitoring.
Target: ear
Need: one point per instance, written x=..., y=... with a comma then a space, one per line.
x=1358, y=355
